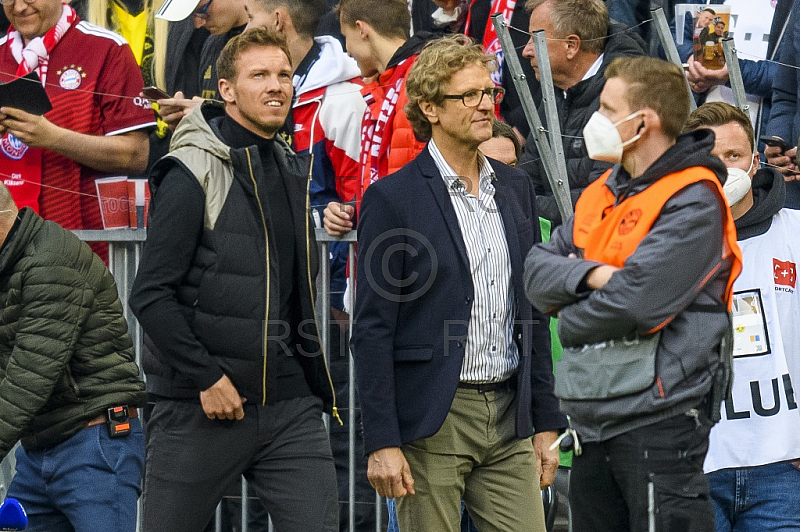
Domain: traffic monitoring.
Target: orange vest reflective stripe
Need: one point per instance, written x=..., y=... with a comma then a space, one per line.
x=610, y=233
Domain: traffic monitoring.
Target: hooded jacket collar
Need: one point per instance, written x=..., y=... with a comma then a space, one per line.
x=769, y=193
x=412, y=46
x=25, y=226
x=690, y=150
x=325, y=64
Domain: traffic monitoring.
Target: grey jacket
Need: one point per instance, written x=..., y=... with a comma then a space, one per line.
x=676, y=276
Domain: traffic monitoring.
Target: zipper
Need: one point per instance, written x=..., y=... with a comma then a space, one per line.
x=325, y=304
x=266, y=310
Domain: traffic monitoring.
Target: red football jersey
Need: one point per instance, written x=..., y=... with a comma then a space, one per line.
x=93, y=82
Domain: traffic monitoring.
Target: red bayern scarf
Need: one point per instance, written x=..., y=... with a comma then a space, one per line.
x=35, y=54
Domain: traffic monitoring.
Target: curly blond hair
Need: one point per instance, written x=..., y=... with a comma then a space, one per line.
x=437, y=63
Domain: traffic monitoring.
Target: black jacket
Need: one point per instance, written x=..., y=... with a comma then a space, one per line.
x=574, y=111
x=208, y=279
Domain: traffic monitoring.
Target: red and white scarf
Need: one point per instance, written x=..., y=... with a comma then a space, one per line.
x=491, y=42
x=375, y=133
x=35, y=55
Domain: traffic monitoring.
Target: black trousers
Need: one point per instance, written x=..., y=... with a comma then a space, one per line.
x=611, y=481
x=282, y=450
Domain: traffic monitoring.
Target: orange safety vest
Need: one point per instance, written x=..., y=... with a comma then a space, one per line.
x=610, y=233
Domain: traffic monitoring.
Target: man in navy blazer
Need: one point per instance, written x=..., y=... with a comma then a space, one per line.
x=453, y=364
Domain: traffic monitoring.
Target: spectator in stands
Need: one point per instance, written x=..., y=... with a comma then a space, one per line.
x=454, y=374
x=479, y=26
x=185, y=40
x=767, y=351
x=376, y=34
x=223, y=19
x=69, y=386
x=134, y=20
x=784, y=121
x=98, y=124
x=504, y=145
x=582, y=43
x=224, y=293
x=610, y=276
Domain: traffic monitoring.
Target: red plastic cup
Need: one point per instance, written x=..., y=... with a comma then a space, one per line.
x=112, y=193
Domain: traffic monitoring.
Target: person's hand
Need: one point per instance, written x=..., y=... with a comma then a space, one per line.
x=33, y=130
x=701, y=79
x=598, y=277
x=546, y=460
x=337, y=218
x=172, y=110
x=389, y=474
x=222, y=400
x=786, y=162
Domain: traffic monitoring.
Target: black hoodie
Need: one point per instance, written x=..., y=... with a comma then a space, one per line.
x=769, y=193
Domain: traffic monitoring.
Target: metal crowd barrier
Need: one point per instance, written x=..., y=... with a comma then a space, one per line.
x=125, y=251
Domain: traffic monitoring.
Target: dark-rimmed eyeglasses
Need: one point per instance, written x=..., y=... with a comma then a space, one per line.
x=203, y=11
x=474, y=97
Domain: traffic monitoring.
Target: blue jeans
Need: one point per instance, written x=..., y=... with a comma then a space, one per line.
x=89, y=483
x=756, y=499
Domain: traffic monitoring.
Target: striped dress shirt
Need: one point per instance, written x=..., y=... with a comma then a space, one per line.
x=490, y=354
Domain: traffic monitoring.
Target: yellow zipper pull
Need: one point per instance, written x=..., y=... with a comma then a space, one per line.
x=335, y=415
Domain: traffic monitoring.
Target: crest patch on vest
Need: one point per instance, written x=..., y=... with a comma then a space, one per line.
x=629, y=221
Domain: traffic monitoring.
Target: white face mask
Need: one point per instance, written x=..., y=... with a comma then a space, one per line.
x=602, y=139
x=738, y=183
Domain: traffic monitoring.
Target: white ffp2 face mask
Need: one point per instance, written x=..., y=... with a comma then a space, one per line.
x=602, y=138
x=738, y=183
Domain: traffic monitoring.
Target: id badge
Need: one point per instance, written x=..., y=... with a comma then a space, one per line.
x=750, y=336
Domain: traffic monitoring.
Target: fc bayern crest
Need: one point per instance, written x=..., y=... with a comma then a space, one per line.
x=70, y=79
x=12, y=147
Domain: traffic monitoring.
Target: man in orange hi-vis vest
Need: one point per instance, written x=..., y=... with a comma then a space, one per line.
x=641, y=279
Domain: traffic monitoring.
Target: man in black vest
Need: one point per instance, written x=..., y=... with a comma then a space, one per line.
x=225, y=295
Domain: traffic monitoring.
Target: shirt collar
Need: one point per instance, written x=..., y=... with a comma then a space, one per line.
x=594, y=69
x=451, y=179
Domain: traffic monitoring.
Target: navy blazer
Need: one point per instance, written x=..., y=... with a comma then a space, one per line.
x=413, y=301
